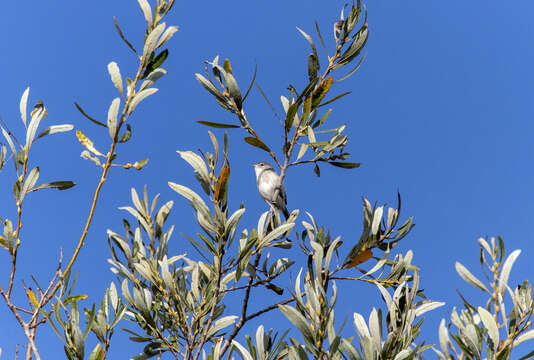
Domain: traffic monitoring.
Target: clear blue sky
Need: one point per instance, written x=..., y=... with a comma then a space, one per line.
x=441, y=109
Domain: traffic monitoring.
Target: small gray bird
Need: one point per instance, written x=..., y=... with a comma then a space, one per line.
x=267, y=181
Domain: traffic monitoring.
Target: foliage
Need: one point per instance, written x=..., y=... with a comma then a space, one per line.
x=177, y=305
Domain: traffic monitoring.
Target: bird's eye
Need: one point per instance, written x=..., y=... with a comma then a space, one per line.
x=261, y=164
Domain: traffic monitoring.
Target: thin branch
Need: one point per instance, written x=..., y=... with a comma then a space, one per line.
x=243, y=319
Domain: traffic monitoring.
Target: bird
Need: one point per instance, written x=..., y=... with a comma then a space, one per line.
x=267, y=181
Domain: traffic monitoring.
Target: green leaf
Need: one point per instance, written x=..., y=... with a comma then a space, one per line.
x=313, y=66
x=334, y=99
x=60, y=185
x=218, y=125
x=127, y=135
x=87, y=116
x=353, y=70
x=291, y=112
x=316, y=170
x=257, y=143
x=155, y=63
x=345, y=165
x=122, y=36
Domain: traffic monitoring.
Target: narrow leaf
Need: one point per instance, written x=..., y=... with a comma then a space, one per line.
x=23, y=105
x=139, y=97
x=344, y=165
x=87, y=116
x=257, y=143
x=116, y=77
x=54, y=129
x=113, y=112
x=218, y=125
x=469, y=278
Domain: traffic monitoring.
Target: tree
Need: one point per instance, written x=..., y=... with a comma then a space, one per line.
x=179, y=303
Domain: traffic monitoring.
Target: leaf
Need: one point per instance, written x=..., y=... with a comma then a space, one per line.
x=116, y=77
x=310, y=41
x=428, y=306
x=469, y=278
x=122, y=36
x=306, y=109
x=290, y=114
x=150, y=41
x=257, y=143
x=38, y=114
x=344, y=165
x=353, y=70
x=23, y=105
x=316, y=170
x=218, y=125
x=275, y=233
x=60, y=185
x=139, y=97
x=31, y=179
x=10, y=143
x=313, y=67
x=167, y=35
x=208, y=85
x=87, y=156
x=252, y=82
x=87, y=143
x=147, y=12
x=113, y=112
x=127, y=135
x=54, y=129
x=198, y=164
x=154, y=76
x=299, y=321
x=155, y=63
x=505, y=271
x=139, y=164
x=245, y=355
x=233, y=88
x=359, y=258
x=334, y=99
x=524, y=337
x=490, y=325
x=32, y=298
x=87, y=116
x=302, y=151
x=221, y=324
x=222, y=184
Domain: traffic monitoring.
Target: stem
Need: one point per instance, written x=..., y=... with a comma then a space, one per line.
x=213, y=306
x=243, y=319
x=105, y=170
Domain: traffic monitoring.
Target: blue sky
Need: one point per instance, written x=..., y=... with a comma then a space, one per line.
x=441, y=109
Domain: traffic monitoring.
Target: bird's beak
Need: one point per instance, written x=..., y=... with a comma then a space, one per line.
x=252, y=164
